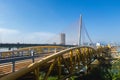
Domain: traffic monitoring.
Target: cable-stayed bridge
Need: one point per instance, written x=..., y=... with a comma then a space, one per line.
x=61, y=61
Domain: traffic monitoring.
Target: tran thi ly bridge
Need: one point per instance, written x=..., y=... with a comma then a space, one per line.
x=62, y=64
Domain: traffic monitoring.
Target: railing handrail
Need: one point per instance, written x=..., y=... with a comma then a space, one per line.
x=32, y=66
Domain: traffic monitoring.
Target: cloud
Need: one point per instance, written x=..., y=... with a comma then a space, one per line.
x=6, y=31
x=39, y=37
x=6, y=35
x=43, y=34
x=14, y=36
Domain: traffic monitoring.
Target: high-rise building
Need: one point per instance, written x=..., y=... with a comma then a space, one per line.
x=62, y=38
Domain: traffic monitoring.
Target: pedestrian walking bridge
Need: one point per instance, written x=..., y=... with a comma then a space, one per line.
x=61, y=65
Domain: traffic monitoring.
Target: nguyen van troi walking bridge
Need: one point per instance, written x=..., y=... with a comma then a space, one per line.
x=54, y=62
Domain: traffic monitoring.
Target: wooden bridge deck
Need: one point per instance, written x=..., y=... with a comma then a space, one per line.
x=6, y=68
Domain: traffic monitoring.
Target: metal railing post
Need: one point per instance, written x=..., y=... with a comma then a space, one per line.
x=13, y=66
x=32, y=54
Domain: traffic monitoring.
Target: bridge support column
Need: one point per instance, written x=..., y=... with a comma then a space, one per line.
x=37, y=73
x=59, y=68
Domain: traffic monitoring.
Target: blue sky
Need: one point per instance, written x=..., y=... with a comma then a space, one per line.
x=31, y=20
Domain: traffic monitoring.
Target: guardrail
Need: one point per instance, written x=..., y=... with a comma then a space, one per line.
x=29, y=50
x=11, y=57
x=64, y=62
x=61, y=64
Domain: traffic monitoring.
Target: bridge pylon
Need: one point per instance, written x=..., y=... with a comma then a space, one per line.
x=80, y=31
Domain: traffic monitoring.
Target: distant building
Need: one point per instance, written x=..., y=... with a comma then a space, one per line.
x=62, y=38
x=98, y=44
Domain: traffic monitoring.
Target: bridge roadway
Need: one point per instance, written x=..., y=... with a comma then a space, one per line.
x=62, y=64
x=22, y=45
